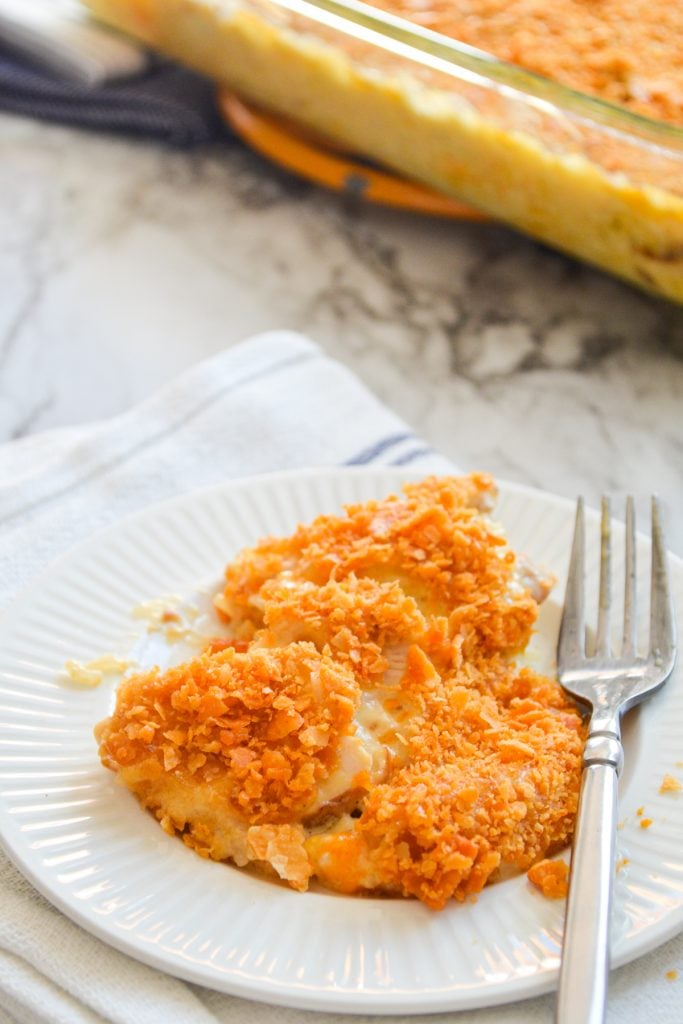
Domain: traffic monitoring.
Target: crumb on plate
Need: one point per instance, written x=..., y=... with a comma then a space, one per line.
x=91, y=673
x=551, y=877
x=670, y=784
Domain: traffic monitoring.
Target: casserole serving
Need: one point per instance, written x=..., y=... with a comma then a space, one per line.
x=365, y=718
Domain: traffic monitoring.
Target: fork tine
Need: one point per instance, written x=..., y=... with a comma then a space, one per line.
x=572, y=639
x=629, y=637
x=602, y=638
x=662, y=627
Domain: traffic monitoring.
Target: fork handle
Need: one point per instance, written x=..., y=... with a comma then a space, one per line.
x=582, y=987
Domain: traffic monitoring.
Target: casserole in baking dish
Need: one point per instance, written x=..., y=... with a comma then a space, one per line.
x=597, y=179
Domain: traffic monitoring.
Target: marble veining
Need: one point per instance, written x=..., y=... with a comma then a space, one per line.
x=122, y=263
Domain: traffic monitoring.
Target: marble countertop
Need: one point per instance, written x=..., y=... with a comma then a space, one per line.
x=123, y=263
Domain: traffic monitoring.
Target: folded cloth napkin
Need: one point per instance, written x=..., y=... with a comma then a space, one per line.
x=273, y=403
x=163, y=101
x=167, y=102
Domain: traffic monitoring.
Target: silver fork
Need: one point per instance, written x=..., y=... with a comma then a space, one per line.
x=610, y=684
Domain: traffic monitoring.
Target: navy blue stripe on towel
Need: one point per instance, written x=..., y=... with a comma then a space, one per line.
x=412, y=455
x=378, y=448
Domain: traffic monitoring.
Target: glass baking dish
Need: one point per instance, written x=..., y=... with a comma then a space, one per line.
x=581, y=174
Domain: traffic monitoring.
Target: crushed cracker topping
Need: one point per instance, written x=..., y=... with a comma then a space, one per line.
x=627, y=53
x=365, y=722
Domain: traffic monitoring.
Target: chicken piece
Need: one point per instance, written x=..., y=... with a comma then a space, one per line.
x=229, y=750
x=491, y=782
x=436, y=543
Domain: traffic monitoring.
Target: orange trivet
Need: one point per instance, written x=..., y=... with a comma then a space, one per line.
x=289, y=146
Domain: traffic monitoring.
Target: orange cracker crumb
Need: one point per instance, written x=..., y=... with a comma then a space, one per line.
x=551, y=877
x=645, y=822
x=671, y=975
x=670, y=785
x=622, y=863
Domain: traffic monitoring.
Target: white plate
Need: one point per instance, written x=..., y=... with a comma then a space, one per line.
x=84, y=842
